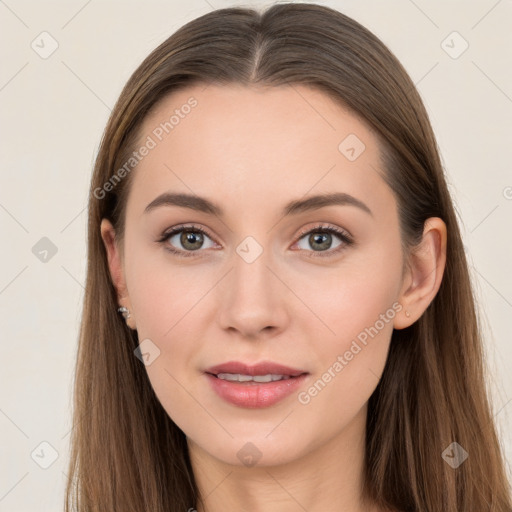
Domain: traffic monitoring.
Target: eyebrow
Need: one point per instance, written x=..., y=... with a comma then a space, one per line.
x=204, y=205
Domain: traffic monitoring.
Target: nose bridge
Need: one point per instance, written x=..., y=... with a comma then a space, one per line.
x=251, y=280
x=251, y=297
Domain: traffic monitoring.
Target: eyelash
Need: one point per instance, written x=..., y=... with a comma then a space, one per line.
x=320, y=228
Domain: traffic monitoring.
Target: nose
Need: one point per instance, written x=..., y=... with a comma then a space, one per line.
x=252, y=299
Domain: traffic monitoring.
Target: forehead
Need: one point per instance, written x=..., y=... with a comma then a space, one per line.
x=252, y=145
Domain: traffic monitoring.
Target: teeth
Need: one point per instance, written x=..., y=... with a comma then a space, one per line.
x=236, y=377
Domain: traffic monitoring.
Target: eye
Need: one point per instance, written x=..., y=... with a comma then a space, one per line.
x=191, y=238
x=321, y=238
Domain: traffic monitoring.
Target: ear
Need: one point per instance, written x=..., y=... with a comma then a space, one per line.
x=424, y=274
x=115, y=265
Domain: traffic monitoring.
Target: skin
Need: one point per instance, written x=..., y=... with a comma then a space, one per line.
x=251, y=150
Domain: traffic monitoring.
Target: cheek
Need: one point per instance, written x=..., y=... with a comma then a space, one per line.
x=162, y=292
x=353, y=297
x=349, y=366
x=169, y=301
x=357, y=306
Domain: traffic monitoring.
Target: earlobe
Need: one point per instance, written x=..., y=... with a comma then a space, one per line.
x=425, y=272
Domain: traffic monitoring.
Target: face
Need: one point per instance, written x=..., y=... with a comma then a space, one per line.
x=314, y=289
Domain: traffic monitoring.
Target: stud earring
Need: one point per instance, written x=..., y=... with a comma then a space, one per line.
x=407, y=314
x=124, y=311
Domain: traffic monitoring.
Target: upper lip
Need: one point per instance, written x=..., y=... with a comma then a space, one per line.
x=263, y=368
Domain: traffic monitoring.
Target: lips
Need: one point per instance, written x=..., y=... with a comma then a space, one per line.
x=263, y=368
x=255, y=395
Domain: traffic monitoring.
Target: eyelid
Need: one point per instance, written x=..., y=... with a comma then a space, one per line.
x=185, y=227
x=325, y=226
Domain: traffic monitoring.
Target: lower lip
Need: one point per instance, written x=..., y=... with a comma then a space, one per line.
x=255, y=395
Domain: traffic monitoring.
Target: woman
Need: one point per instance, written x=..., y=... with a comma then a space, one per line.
x=296, y=326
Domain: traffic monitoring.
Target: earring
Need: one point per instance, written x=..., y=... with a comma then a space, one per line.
x=407, y=314
x=124, y=311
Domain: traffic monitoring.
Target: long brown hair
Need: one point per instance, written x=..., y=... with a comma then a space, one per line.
x=126, y=453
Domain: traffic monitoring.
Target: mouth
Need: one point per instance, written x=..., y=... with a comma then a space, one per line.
x=260, y=385
x=251, y=379
x=265, y=371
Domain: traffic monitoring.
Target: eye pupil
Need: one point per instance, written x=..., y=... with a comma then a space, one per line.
x=318, y=238
x=191, y=237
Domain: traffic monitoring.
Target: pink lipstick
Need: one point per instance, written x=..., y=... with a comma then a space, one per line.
x=257, y=386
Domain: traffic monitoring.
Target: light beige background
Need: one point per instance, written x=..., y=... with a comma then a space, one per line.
x=53, y=113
